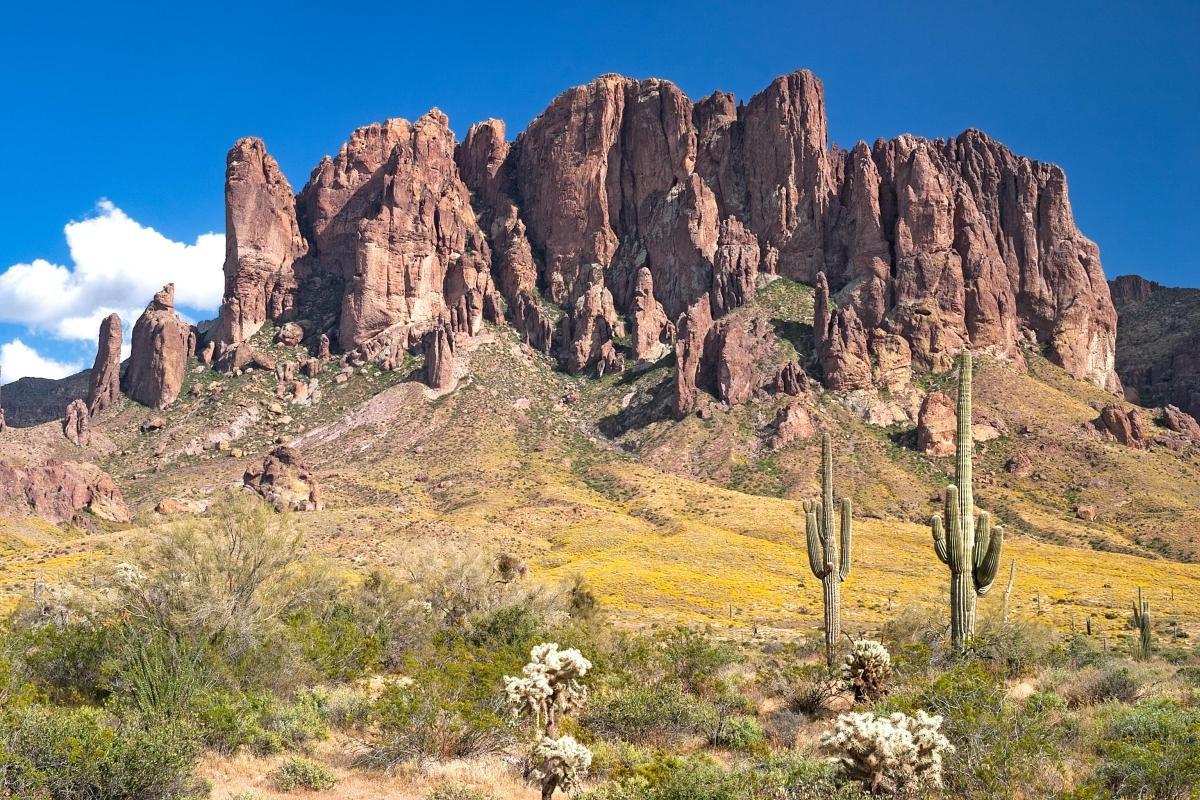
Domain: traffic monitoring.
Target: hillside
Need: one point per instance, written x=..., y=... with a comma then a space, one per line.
x=1158, y=342
x=694, y=520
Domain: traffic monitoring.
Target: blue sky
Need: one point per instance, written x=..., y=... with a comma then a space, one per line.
x=118, y=115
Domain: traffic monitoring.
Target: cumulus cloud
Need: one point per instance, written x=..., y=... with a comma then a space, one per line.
x=117, y=265
x=19, y=360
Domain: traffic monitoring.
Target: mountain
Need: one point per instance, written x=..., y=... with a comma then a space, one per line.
x=607, y=347
x=1158, y=342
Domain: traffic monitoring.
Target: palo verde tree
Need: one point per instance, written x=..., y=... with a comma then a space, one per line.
x=970, y=549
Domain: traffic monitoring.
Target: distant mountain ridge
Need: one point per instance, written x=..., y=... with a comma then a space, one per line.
x=1158, y=342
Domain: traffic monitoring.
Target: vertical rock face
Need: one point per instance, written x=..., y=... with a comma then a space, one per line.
x=924, y=246
x=392, y=221
x=692, y=371
x=936, y=425
x=439, y=358
x=57, y=491
x=1158, y=343
x=105, y=382
x=75, y=423
x=262, y=243
x=651, y=328
x=162, y=343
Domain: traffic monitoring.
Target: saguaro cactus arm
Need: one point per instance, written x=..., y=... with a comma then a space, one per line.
x=985, y=569
x=847, y=522
x=939, y=539
x=816, y=539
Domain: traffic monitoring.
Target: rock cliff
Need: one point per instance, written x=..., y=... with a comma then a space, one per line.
x=625, y=203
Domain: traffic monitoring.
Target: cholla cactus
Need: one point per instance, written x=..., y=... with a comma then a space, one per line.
x=549, y=687
x=559, y=764
x=867, y=669
x=889, y=755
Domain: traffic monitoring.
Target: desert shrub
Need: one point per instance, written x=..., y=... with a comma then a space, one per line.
x=783, y=727
x=916, y=638
x=232, y=720
x=1018, y=648
x=342, y=705
x=16, y=690
x=897, y=754
x=452, y=710
x=69, y=663
x=83, y=753
x=1190, y=673
x=616, y=759
x=647, y=713
x=302, y=773
x=739, y=733
x=1083, y=651
x=804, y=688
x=1004, y=747
x=1149, y=750
x=159, y=673
x=696, y=659
x=456, y=791
x=336, y=639
x=866, y=670
x=1094, y=685
x=516, y=626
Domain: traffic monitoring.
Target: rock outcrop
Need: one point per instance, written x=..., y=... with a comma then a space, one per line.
x=626, y=201
x=75, y=423
x=60, y=491
x=792, y=422
x=936, y=425
x=1158, y=343
x=104, y=387
x=1182, y=422
x=284, y=481
x=439, y=358
x=1127, y=426
x=262, y=244
x=162, y=343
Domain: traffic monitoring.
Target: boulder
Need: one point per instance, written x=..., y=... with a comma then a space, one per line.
x=60, y=491
x=792, y=422
x=937, y=424
x=162, y=343
x=104, y=385
x=1124, y=425
x=439, y=358
x=290, y=334
x=284, y=481
x=651, y=328
x=1182, y=422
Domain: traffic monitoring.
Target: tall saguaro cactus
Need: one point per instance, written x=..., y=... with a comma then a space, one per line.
x=971, y=551
x=1141, y=621
x=830, y=562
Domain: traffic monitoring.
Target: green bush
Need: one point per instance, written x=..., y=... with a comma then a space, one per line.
x=229, y=721
x=1004, y=747
x=456, y=791
x=337, y=640
x=302, y=773
x=1149, y=750
x=1094, y=685
x=695, y=659
x=647, y=713
x=739, y=733
x=84, y=753
x=1018, y=648
x=70, y=663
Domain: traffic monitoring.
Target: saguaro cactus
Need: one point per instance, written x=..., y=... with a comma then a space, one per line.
x=1141, y=621
x=830, y=563
x=971, y=550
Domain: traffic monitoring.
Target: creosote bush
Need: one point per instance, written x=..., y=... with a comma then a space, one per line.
x=302, y=773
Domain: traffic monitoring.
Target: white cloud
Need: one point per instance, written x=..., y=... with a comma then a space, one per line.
x=19, y=360
x=118, y=265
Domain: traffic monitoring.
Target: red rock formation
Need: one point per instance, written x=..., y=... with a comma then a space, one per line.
x=691, y=342
x=651, y=328
x=740, y=347
x=391, y=219
x=105, y=381
x=162, y=343
x=1182, y=422
x=75, y=423
x=936, y=425
x=792, y=422
x=1126, y=426
x=262, y=244
x=1129, y=289
x=926, y=246
x=285, y=481
x=59, y=491
x=439, y=358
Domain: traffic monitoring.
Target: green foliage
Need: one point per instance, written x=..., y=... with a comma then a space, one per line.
x=69, y=663
x=696, y=777
x=1149, y=750
x=229, y=721
x=656, y=713
x=1004, y=748
x=696, y=659
x=1018, y=648
x=1094, y=685
x=336, y=640
x=456, y=791
x=65, y=754
x=516, y=627
x=302, y=773
x=804, y=688
x=739, y=733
